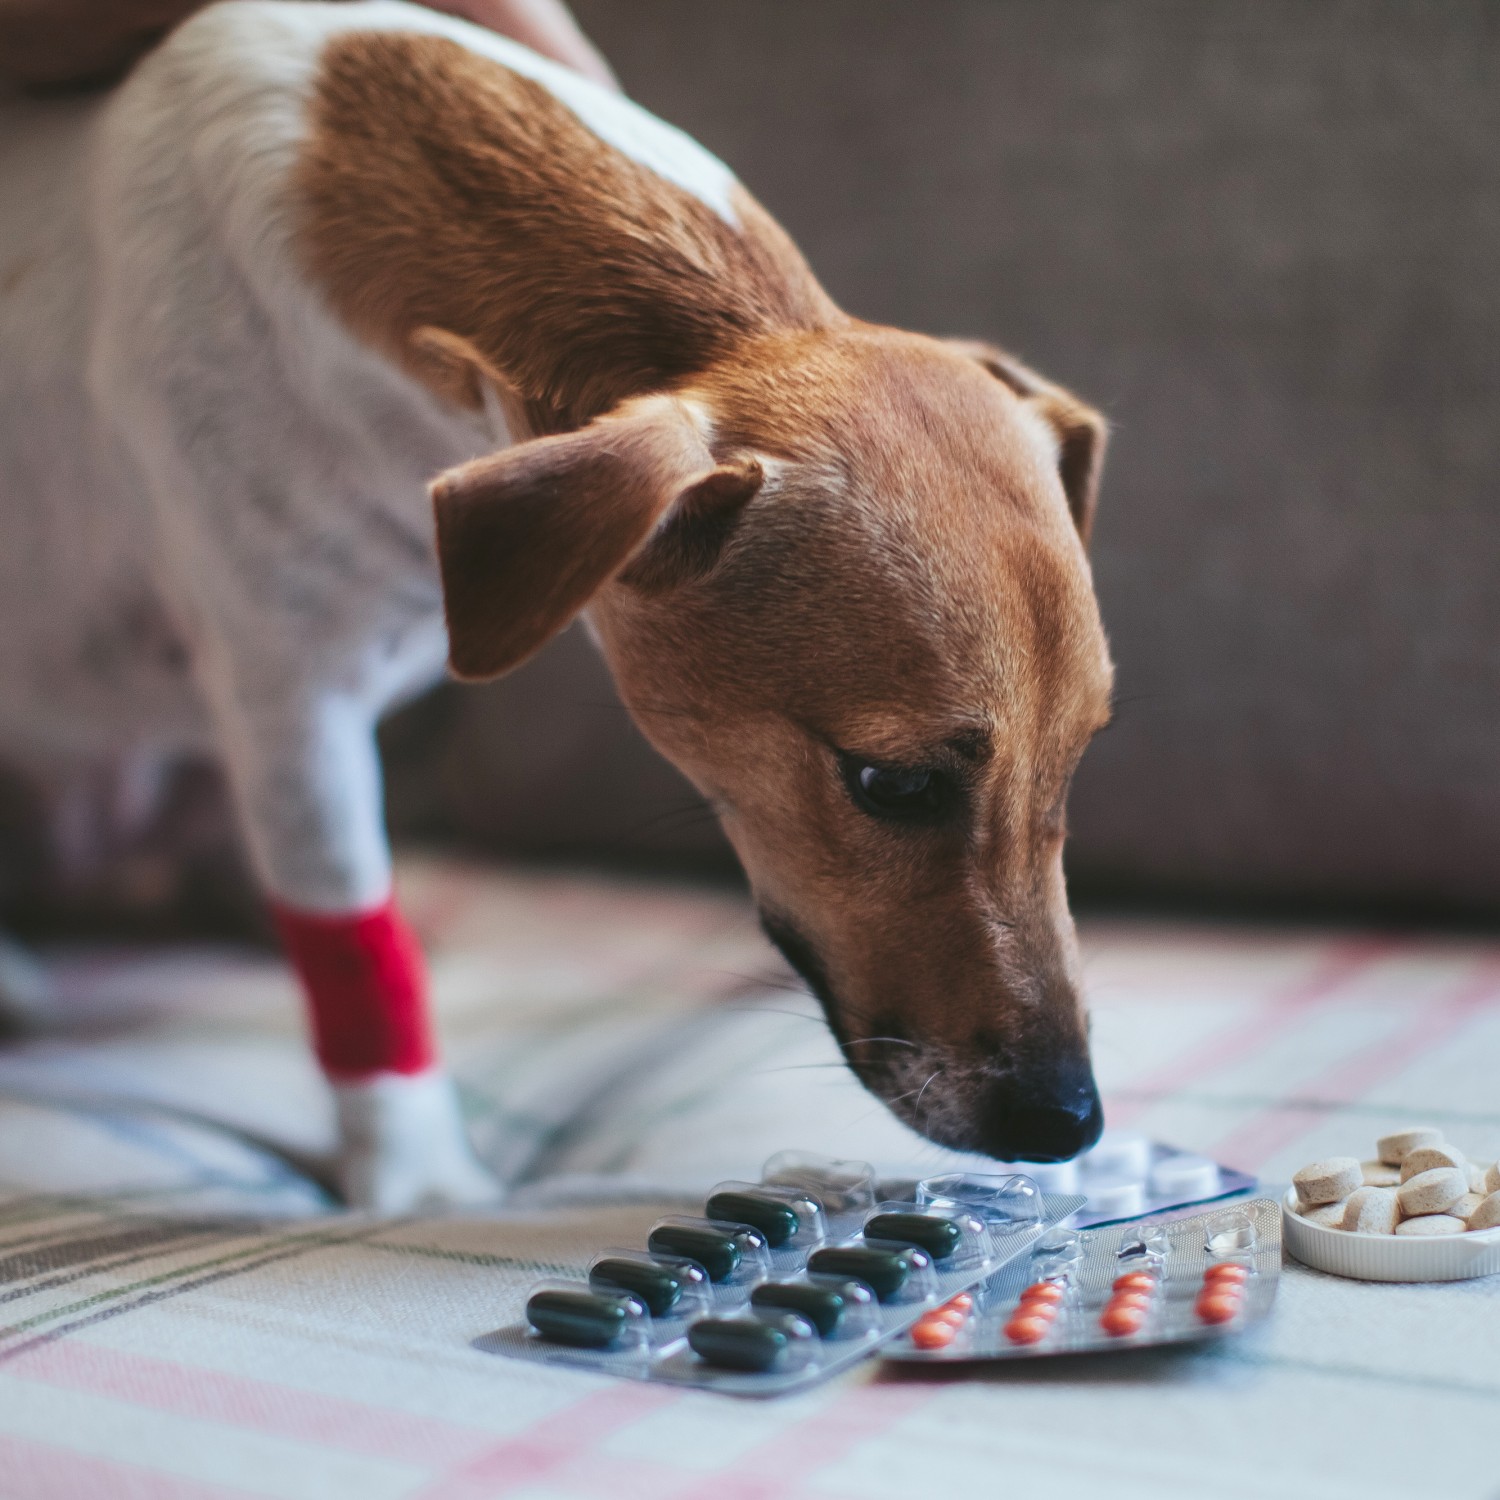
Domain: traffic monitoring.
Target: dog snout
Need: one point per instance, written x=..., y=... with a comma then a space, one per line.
x=1051, y=1117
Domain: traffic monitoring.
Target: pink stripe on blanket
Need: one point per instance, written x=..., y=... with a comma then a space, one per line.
x=40, y=1472
x=257, y=1405
x=550, y=1445
x=773, y=1470
x=776, y=1469
x=779, y=1468
x=1337, y=966
x=1255, y=1141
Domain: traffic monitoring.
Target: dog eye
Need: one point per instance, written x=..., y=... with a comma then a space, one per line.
x=896, y=793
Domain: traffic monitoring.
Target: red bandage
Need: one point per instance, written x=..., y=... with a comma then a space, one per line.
x=366, y=988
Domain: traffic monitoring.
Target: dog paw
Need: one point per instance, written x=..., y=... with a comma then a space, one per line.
x=27, y=1002
x=403, y=1149
x=373, y=1184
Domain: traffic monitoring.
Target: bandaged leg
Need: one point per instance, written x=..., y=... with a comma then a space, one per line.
x=308, y=785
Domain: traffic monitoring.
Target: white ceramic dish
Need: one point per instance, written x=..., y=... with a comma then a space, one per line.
x=1389, y=1257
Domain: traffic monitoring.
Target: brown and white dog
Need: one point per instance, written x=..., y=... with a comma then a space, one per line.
x=305, y=258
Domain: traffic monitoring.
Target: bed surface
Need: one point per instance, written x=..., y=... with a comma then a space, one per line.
x=185, y=1315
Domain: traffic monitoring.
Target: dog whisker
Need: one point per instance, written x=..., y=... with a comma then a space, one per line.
x=897, y=1098
x=768, y=982
x=688, y=815
x=918, y=1105
x=800, y=1067
x=773, y=1010
x=770, y=1010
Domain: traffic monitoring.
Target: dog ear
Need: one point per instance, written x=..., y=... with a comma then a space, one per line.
x=690, y=537
x=1081, y=432
x=527, y=536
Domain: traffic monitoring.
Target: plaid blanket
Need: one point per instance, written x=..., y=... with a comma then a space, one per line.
x=186, y=1316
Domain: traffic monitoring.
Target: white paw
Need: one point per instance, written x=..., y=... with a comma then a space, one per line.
x=402, y=1146
x=27, y=1001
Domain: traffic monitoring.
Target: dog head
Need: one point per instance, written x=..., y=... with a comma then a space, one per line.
x=839, y=571
x=842, y=584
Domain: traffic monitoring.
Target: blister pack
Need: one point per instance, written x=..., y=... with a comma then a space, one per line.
x=1127, y=1175
x=1121, y=1287
x=782, y=1282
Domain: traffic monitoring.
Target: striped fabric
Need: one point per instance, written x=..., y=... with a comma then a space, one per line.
x=184, y=1317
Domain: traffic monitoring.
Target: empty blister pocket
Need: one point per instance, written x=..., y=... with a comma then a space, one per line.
x=846, y=1189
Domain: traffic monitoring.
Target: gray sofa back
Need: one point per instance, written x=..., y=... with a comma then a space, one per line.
x=1266, y=240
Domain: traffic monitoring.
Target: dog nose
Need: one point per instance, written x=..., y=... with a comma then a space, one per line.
x=1041, y=1121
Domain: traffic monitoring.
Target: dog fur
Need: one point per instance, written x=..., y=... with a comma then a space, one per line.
x=307, y=257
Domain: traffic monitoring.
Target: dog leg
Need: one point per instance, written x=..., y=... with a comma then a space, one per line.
x=307, y=778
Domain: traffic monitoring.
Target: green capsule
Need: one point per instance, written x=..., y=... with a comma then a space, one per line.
x=822, y=1306
x=582, y=1319
x=742, y=1343
x=714, y=1250
x=659, y=1287
x=885, y=1272
x=775, y=1219
x=937, y=1235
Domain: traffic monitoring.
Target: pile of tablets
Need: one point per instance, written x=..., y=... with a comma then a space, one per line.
x=1418, y=1184
x=1420, y=1210
x=1126, y=1286
x=784, y=1281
